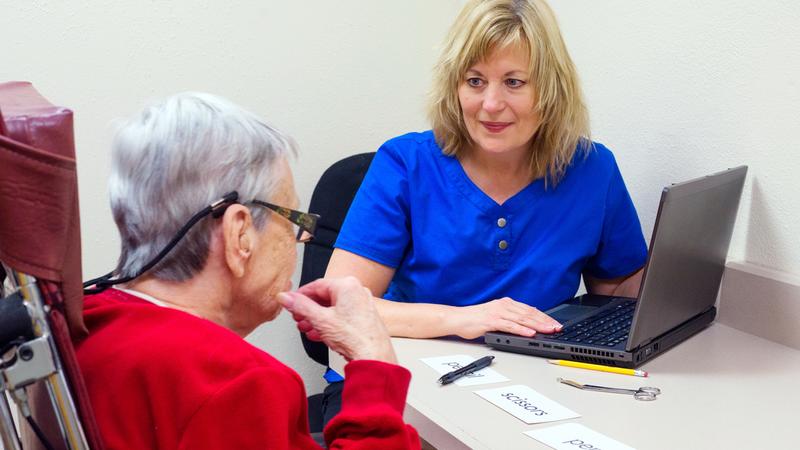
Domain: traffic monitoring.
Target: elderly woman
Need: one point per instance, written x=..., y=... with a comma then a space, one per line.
x=165, y=363
x=495, y=214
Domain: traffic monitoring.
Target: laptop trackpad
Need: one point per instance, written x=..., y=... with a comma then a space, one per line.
x=579, y=307
x=566, y=313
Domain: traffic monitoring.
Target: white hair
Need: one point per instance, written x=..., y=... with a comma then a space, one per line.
x=173, y=159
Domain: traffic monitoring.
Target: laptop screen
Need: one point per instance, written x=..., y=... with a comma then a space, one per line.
x=687, y=252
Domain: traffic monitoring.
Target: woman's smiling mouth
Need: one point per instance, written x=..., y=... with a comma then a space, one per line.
x=495, y=127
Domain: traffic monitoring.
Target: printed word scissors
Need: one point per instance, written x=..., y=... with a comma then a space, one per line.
x=645, y=394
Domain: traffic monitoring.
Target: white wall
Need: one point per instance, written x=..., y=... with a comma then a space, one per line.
x=340, y=77
x=677, y=89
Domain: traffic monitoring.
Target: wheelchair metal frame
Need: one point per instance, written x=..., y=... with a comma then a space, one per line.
x=31, y=361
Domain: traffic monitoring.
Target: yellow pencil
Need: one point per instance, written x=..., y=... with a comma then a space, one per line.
x=580, y=365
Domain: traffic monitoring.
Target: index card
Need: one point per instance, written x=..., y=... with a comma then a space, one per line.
x=574, y=436
x=526, y=404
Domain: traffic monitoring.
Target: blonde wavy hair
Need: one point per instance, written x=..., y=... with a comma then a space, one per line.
x=486, y=25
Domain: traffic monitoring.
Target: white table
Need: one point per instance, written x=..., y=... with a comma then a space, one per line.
x=721, y=389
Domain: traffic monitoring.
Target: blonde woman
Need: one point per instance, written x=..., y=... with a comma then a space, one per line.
x=495, y=214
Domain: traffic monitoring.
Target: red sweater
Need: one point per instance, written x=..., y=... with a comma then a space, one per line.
x=159, y=378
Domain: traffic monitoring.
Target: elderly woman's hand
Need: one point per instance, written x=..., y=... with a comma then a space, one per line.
x=507, y=315
x=340, y=313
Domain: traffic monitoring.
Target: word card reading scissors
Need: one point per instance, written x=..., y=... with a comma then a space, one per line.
x=645, y=394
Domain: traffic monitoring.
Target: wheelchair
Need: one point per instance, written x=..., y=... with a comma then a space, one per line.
x=41, y=295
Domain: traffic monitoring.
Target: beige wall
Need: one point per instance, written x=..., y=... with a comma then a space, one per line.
x=677, y=89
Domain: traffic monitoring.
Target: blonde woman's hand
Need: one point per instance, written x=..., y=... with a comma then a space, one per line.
x=504, y=314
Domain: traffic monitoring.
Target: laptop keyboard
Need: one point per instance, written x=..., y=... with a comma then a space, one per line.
x=608, y=328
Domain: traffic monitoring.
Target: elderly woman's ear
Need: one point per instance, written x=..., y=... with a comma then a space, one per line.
x=238, y=237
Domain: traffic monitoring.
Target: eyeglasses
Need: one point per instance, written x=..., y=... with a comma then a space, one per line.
x=306, y=223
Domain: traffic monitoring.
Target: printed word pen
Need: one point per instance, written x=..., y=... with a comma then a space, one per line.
x=580, y=365
x=469, y=368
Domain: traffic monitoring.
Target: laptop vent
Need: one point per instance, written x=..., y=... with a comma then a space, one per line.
x=588, y=351
x=589, y=359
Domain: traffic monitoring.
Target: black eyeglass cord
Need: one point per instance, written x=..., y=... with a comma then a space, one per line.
x=216, y=209
x=39, y=433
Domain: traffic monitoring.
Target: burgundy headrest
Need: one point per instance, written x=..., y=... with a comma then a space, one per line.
x=39, y=221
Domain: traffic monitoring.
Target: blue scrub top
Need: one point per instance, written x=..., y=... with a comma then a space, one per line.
x=449, y=243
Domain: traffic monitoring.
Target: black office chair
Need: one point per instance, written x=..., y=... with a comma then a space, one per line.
x=331, y=199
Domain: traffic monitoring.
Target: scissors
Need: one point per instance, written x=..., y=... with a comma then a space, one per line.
x=645, y=394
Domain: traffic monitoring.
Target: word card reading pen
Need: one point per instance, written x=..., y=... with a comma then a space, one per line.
x=469, y=368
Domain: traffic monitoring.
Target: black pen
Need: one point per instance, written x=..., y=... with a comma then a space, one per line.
x=469, y=368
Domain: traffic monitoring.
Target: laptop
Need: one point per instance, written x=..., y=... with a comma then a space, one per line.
x=679, y=288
